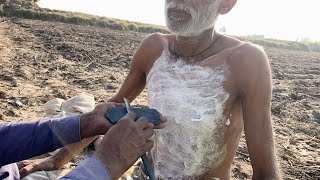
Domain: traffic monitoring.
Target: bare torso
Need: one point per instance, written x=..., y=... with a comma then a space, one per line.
x=209, y=100
x=204, y=114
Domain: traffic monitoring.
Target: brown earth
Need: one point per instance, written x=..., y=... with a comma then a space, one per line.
x=41, y=61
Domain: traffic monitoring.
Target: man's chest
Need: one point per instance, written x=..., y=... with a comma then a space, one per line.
x=189, y=93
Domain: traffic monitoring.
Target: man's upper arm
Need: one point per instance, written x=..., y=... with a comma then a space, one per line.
x=143, y=58
x=256, y=101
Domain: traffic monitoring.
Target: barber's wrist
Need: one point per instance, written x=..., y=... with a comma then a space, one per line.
x=110, y=163
x=91, y=124
x=87, y=125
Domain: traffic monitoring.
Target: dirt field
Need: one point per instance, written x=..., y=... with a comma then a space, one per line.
x=40, y=61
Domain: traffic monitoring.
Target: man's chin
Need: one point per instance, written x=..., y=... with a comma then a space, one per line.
x=179, y=30
x=183, y=32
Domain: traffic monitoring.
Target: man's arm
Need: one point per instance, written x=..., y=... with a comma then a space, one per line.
x=256, y=100
x=54, y=162
x=142, y=61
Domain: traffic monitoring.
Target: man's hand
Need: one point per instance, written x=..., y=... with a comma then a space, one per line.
x=124, y=143
x=29, y=166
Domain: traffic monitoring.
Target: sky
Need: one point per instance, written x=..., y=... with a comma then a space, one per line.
x=279, y=19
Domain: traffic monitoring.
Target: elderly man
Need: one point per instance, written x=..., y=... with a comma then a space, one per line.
x=211, y=87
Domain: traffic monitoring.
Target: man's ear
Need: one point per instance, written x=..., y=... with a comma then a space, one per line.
x=226, y=6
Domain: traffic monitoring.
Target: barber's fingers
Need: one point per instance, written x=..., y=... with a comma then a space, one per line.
x=130, y=116
x=148, y=133
x=160, y=126
x=148, y=146
x=143, y=122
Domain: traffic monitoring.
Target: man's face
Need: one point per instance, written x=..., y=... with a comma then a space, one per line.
x=191, y=17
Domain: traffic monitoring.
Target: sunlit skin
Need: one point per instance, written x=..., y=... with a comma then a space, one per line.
x=248, y=82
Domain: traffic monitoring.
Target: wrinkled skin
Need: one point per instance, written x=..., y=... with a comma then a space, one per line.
x=124, y=144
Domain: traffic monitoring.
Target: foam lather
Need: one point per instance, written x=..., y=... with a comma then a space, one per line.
x=115, y=114
x=193, y=98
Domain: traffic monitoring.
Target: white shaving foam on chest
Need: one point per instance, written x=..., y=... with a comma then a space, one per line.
x=192, y=98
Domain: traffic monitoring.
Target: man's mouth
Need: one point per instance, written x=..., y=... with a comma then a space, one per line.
x=178, y=14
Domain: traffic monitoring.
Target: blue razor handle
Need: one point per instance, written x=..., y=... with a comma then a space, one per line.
x=115, y=114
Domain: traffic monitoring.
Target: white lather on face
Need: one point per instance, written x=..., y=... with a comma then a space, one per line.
x=192, y=97
x=203, y=16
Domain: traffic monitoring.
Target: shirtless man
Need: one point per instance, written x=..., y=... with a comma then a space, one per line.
x=211, y=87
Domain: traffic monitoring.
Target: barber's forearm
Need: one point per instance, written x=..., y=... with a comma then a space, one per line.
x=91, y=125
x=24, y=140
x=88, y=127
x=88, y=133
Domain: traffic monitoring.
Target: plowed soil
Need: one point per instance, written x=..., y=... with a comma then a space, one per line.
x=43, y=60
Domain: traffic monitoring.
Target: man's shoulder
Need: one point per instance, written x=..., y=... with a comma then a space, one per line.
x=244, y=48
x=150, y=49
x=246, y=56
x=248, y=52
x=157, y=39
x=252, y=64
x=154, y=44
x=255, y=55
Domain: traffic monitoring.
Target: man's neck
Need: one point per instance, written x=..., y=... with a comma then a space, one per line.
x=194, y=45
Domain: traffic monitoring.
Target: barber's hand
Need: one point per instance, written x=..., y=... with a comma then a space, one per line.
x=124, y=143
x=95, y=123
